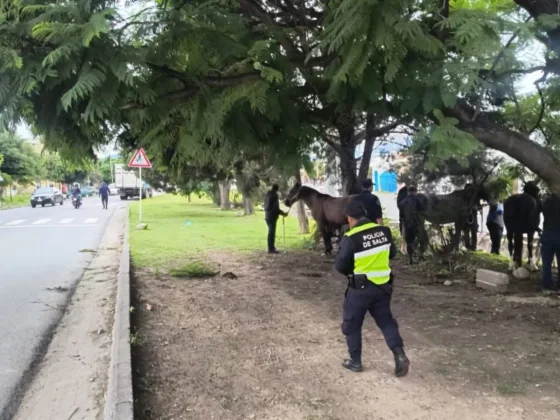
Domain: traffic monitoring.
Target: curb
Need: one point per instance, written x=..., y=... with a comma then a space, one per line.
x=119, y=402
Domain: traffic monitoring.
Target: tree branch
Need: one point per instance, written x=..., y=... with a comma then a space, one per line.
x=187, y=93
x=331, y=143
x=541, y=113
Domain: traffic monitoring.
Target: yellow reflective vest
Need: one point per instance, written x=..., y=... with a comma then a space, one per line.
x=371, y=252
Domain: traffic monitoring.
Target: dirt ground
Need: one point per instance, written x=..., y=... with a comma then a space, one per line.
x=268, y=345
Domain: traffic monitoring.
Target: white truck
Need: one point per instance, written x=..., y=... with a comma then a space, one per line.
x=128, y=183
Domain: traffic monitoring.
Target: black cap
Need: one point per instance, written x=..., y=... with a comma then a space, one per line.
x=274, y=187
x=355, y=210
x=367, y=183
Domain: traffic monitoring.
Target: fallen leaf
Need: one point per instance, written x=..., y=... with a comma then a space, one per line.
x=148, y=307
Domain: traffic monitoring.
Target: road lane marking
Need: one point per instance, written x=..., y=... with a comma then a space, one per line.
x=15, y=222
x=63, y=221
x=40, y=221
x=90, y=220
x=48, y=226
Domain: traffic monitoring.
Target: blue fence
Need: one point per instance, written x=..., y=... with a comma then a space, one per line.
x=385, y=182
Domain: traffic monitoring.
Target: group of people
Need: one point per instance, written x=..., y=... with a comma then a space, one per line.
x=550, y=235
x=103, y=193
x=364, y=255
x=364, y=258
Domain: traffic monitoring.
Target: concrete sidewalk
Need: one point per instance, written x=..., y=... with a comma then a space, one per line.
x=71, y=381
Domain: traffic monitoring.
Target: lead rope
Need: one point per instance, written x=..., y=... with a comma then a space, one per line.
x=284, y=224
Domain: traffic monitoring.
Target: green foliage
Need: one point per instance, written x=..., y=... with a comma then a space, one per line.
x=19, y=161
x=445, y=141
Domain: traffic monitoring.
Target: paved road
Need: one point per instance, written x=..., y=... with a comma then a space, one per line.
x=40, y=260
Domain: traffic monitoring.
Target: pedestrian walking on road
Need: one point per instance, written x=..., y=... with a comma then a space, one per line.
x=364, y=257
x=104, y=194
x=272, y=213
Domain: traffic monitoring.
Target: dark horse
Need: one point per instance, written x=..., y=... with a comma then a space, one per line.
x=328, y=211
x=522, y=216
x=437, y=209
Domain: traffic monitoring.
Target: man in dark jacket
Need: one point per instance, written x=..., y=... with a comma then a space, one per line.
x=550, y=239
x=370, y=202
x=104, y=194
x=364, y=257
x=271, y=214
x=495, y=225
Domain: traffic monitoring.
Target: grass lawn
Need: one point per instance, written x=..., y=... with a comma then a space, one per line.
x=20, y=200
x=179, y=232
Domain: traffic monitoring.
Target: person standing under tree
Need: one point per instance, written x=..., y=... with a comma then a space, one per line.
x=495, y=225
x=371, y=202
x=272, y=212
x=364, y=257
x=550, y=240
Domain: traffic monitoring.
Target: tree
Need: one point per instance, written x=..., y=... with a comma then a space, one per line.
x=279, y=75
x=52, y=167
x=463, y=78
x=19, y=161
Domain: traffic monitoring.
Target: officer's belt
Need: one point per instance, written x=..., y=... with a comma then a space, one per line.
x=360, y=281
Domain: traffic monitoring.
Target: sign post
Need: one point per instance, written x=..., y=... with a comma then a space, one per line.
x=140, y=160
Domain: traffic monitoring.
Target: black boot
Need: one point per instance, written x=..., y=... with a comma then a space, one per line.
x=352, y=365
x=401, y=362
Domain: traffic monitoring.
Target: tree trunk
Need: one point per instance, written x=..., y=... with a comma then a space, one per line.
x=189, y=197
x=368, y=149
x=248, y=208
x=216, y=194
x=303, y=222
x=346, y=153
x=225, y=186
x=517, y=145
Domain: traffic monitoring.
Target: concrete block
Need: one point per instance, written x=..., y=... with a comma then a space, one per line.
x=496, y=288
x=492, y=277
x=492, y=280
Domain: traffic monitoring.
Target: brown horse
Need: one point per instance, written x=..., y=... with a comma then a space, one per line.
x=328, y=211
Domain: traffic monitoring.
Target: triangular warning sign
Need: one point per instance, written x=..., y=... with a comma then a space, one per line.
x=139, y=160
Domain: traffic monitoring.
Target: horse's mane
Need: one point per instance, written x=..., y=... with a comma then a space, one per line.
x=305, y=190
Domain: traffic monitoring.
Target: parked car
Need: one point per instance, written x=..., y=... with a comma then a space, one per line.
x=46, y=195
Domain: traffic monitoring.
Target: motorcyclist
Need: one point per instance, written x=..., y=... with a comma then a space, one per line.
x=76, y=192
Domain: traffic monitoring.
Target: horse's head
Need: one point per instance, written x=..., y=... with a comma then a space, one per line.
x=401, y=195
x=476, y=193
x=532, y=188
x=293, y=195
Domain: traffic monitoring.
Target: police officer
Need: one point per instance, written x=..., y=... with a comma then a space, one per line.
x=371, y=202
x=550, y=239
x=271, y=215
x=364, y=257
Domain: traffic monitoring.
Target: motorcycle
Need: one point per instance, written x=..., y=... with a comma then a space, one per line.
x=76, y=202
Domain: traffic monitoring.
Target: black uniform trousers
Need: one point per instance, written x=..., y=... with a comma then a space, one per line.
x=377, y=301
x=105, y=201
x=496, y=232
x=271, y=239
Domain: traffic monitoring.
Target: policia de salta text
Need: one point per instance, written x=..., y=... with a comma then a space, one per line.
x=364, y=257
